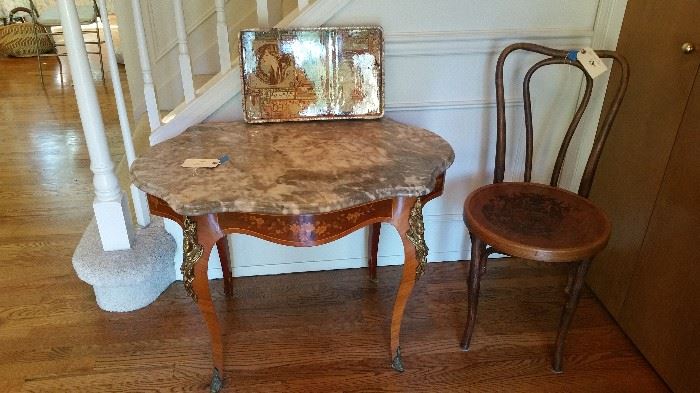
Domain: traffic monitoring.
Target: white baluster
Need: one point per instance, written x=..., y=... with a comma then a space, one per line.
x=110, y=205
x=149, y=90
x=301, y=4
x=263, y=13
x=222, y=36
x=138, y=197
x=269, y=12
x=184, y=57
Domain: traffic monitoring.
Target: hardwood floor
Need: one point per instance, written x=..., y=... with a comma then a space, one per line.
x=311, y=332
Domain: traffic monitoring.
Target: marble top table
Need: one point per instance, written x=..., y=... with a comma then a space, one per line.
x=298, y=184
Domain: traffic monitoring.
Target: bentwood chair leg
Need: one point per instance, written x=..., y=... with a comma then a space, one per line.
x=568, y=313
x=572, y=277
x=486, y=254
x=478, y=257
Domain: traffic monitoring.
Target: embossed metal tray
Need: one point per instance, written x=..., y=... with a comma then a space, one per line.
x=312, y=74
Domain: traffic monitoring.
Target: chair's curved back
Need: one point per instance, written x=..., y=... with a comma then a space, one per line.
x=555, y=57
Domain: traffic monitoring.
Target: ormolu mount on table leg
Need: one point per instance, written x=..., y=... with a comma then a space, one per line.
x=191, y=251
x=415, y=234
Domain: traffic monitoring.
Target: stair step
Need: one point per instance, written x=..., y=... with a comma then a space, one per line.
x=200, y=80
x=127, y=280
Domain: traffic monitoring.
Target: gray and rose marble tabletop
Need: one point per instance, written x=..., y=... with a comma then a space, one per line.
x=293, y=168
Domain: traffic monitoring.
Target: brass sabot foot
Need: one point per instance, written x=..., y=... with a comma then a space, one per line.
x=396, y=363
x=216, y=382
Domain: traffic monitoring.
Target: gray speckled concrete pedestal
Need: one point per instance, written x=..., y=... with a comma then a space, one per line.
x=127, y=280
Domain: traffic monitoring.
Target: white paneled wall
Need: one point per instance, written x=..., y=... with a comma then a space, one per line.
x=439, y=65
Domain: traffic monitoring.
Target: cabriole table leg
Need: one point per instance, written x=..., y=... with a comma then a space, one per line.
x=200, y=235
x=408, y=220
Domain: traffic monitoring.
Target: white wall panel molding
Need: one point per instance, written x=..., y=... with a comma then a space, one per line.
x=447, y=43
x=447, y=105
x=449, y=15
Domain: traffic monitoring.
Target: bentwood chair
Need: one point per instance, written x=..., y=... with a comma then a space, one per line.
x=46, y=16
x=537, y=221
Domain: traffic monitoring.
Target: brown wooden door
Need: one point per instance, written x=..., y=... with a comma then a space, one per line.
x=661, y=312
x=648, y=182
x=634, y=160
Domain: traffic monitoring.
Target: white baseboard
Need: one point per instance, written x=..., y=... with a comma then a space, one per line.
x=314, y=266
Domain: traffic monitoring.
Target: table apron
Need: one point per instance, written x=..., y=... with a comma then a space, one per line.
x=302, y=230
x=307, y=229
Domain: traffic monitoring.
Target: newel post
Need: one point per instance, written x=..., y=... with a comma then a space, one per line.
x=110, y=204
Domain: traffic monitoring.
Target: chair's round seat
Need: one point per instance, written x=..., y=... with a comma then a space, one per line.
x=536, y=221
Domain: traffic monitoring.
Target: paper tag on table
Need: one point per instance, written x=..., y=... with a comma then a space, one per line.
x=201, y=163
x=591, y=62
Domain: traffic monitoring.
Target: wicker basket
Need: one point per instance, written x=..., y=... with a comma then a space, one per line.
x=20, y=39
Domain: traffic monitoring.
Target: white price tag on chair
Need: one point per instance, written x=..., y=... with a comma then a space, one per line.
x=591, y=62
x=201, y=163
